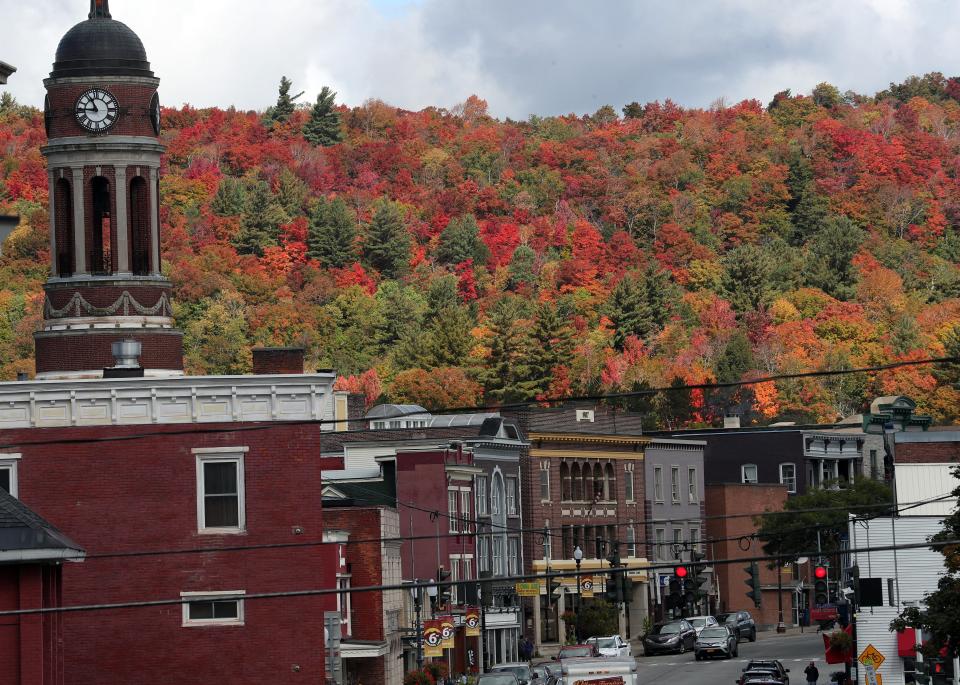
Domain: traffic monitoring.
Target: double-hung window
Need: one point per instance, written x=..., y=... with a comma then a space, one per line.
x=511, y=485
x=513, y=554
x=465, y=510
x=628, y=482
x=661, y=535
x=675, y=484
x=8, y=472
x=658, y=484
x=788, y=477
x=631, y=542
x=213, y=608
x=483, y=552
x=481, y=485
x=220, y=490
x=498, y=555
x=692, y=484
x=748, y=473
x=544, y=481
x=452, y=499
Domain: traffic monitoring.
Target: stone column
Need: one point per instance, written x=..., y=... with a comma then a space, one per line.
x=51, y=181
x=79, y=223
x=154, y=220
x=122, y=224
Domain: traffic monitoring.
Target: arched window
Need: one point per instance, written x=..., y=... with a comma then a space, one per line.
x=577, y=493
x=597, y=482
x=100, y=230
x=496, y=497
x=611, y=484
x=139, y=213
x=565, y=493
x=587, y=475
x=63, y=206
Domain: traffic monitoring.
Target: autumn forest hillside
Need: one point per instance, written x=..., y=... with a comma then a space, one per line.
x=449, y=258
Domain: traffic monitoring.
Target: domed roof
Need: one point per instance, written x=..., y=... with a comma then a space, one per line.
x=100, y=46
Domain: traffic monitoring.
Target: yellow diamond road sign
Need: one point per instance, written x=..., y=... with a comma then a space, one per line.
x=871, y=655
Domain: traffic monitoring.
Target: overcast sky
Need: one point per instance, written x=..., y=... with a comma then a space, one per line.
x=523, y=56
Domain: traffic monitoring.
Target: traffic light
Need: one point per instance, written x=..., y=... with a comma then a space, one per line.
x=853, y=583
x=443, y=591
x=698, y=570
x=626, y=588
x=614, y=589
x=753, y=582
x=675, y=598
x=821, y=588
x=941, y=670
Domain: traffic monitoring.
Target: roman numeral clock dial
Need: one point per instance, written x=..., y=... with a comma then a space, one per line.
x=97, y=110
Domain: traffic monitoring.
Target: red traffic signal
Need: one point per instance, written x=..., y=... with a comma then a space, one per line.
x=820, y=572
x=680, y=571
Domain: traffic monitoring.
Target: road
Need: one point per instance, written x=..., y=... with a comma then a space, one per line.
x=795, y=651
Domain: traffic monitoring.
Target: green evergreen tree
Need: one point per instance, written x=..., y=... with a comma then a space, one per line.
x=402, y=309
x=551, y=343
x=809, y=216
x=387, y=244
x=504, y=372
x=332, y=234
x=640, y=304
x=230, y=198
x=746, y=278
x=460, y=241
x=280, y=112
x=323, y=126
x=948, y=373
x=291, y=193
x=441, y=294
x=676, y=409
x=829, y=265
x=521, y=266
x=260, y=225
x=448, y=341
x=735, y=360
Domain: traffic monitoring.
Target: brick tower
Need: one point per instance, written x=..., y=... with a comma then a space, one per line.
x=102, y=117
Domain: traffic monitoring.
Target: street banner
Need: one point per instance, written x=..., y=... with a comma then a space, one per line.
x=432, y=638
x=446, y=632
x=528, y=589
x=471, y=619
x=586, y=586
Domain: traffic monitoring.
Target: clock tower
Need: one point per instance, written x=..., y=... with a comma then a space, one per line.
x=102, y=116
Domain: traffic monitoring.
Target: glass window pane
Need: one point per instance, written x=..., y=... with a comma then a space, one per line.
x=220, y=478
x=5, y=479
x=221, y=511
x=225, y=609
x=201, y=611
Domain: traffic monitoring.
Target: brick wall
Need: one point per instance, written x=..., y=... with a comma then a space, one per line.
x=269, y=360
x=139, y=493
x=133, y=99
x=104, y=294
x=927, y=452
x=85, y=350
x=732, y=499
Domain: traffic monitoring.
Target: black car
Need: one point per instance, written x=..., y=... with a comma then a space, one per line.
x=759, y=678
x=672, y=636
x=715, y=641
x=769, y=665
x=741, y=623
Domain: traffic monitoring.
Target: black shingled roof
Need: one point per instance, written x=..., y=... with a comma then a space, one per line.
x=23, y=530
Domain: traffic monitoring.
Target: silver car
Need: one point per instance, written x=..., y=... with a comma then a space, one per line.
x=715, y=641
x=520, y=669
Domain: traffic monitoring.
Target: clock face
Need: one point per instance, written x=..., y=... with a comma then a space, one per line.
x=97, y=110
x=155, y=113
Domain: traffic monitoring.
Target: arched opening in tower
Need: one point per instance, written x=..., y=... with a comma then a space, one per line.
x=101, y=233
x=63, y=203
x=139, y=226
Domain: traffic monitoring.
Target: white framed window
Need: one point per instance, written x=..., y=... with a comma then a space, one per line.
x=631, y=542
x=220, y=490
x=658, y=484
x=454, y=577
x=748, y=473
x=8, y=473
x=547, y=541
x=213, y=608
x=661, y=536
x=511, y=487
x=628, y=482
x=695, y=539
x=675, y=484
x=465, y=497
x=344, y=605
x=496, y=496
x=513, y=556
x=498, y=556
x=453, y=497
x=483, y=552
x=692, y=484
x=788, y=477
x=481, y=485
x=544, y=481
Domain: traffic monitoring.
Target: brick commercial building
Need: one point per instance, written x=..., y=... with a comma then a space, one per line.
x=741, y=502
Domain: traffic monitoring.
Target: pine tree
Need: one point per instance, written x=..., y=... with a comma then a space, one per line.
x=810, y=215
x=448, y=339
x=746, y=277
x=503, y=373
x=387, y=244
x=677, y=405
x=332, y=235
x=551, y=342
x=830, y=262
x=260, y=225
x=230, y=198
x=323, y=126
x=521, y=266
x=627, y=309
x=280, y=112
x=460, y=241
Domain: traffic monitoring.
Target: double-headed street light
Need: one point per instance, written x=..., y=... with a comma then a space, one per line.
x=577, y=558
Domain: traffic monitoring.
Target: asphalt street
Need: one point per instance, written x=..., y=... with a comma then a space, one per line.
x=795, y=651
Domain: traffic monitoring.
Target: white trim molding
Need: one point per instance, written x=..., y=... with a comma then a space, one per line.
x=221, y=455
x=215, y=596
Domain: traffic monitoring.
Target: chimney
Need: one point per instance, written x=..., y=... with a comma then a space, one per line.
x=277, y=360
x=126, y=358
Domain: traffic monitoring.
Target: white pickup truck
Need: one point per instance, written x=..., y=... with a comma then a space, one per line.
x=591, y=671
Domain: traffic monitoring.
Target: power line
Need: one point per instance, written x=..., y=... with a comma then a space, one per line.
x=423, y=584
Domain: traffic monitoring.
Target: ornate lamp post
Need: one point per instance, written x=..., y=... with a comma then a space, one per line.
x=577, y=558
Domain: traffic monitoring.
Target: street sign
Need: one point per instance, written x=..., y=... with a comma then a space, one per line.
x=871, y=656
x=528, y=589
x=586, y=586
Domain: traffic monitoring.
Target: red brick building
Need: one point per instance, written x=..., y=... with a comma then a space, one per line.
x=31, y=644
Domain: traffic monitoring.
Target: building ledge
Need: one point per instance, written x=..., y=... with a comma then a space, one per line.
x=363, y=649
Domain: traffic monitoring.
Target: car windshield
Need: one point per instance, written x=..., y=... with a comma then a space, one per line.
x=727, y=618
x=761, y=666
x=497, y=679
x=714, y=632
x=667, y=629
x=519, y=670
x=698, y=622
x=575, y=651
x=604, y=642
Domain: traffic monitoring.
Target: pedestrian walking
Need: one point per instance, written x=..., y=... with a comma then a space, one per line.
x=813, y=675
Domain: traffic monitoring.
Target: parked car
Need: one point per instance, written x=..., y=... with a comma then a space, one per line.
x=759, y=678
x=497, y=679
x=544, y=674
x=742, y=624
x=715, y=641
x=673, y=636
x=701, y=622
x=521, y=670
x=769, y=665
x=605, y=671
x=574, y=651
x=611, y=646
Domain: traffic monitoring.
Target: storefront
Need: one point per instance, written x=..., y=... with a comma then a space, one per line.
x=501, y=643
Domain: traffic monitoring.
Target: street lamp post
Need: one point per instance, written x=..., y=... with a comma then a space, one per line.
x=577, y=558
x=417, y=606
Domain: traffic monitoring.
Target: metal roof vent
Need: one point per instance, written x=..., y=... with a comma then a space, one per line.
x=126, y=354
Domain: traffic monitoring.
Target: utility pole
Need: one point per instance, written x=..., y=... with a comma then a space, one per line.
x=781, y=628
x=417, y=606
